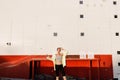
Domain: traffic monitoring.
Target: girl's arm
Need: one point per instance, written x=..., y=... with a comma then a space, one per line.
x=49, y=57
x=64, y=51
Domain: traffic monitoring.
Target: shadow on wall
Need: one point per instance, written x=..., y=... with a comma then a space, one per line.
x=79, y=73
x=50, y=77
x=20, y=71
x=78, y=68
x=10, y=67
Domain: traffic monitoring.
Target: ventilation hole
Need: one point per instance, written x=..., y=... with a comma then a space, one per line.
x=81, y=16
x=115, y=79
x=8, y=43
x=118, y=52
x=118, y=63
x=117, y=34
x=115, y=16
x=81, y=2
x=82, y=34
x=55, y=34
x=114, y=2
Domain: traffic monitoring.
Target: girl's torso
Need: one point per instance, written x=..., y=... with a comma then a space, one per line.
x=58, y=59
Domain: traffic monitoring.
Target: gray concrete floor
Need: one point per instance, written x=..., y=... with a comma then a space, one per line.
x=13, y=79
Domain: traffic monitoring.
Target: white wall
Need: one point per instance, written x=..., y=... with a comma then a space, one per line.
x=29, y=25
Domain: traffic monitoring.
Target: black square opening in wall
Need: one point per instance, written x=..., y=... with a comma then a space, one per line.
x=81, y=16
x=115, y=79
x=118, y=52
x=82, y=33
x=55, y=34
x=81, y=2
x=115, y=16
x=117, y=34
x=114, y=2
x=118, y=63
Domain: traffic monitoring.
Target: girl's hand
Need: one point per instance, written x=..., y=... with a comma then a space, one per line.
x=47, y=56
x=62, y=48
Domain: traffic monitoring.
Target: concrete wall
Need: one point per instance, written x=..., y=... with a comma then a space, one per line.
x=29, y=26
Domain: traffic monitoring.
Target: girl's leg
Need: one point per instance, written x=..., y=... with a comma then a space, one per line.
x=57, y=78
x=57, y=72
x=63, y=73
x=64, y=78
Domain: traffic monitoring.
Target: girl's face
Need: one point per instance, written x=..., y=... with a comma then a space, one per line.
x=59, y=49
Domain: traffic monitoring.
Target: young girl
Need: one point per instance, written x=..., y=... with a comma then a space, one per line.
x=59, y=60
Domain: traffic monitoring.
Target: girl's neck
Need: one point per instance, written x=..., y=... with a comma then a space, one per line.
x=58, y=53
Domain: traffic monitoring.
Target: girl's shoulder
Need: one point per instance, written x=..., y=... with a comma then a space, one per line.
x=61, y=54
